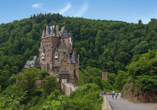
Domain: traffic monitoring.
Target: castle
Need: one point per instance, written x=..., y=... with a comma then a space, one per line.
x=56, y=54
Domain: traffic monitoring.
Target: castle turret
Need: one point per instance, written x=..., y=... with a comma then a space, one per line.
x=47, y=31
x=52, y=31
x=43, y=34
x=43, y=54
x=57, y=31
x=73, y=58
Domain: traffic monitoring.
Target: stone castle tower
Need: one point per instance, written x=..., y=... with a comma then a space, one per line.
x=56, y=52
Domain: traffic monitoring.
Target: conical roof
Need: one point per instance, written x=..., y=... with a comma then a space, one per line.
x=62, y=30
x=44, y=33
x=73, y=58
x=69, y=34
x=52, y=29
x=62, y=47
x=48, y=30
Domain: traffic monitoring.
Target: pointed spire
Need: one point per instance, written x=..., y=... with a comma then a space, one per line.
x=43, y=34
x=62, y=47
x=52, y=29
x=73, y=58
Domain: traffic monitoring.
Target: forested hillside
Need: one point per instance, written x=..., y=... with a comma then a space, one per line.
x=102, y=45
x=108, y=45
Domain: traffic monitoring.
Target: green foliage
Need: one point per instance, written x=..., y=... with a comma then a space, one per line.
x=12, y=79
x=111, y=78
x=93, y=75
x=11, y=102
x=107, y=45
x=49, y=85
x=27, y=80
x=85, y=97
x=120, y=80
x=143, y=70
x=146, y=82
x=43, y=74
x=4, y=76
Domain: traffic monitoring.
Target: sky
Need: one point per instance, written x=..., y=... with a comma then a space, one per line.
x=121, y=10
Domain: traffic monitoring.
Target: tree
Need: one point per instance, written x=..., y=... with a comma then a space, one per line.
x=27, y=80
x=141, y=48
x=111, y=78
x=4, y=76
x=49, y=85
x=120, y=80
x=43, y=73
x=14, y=70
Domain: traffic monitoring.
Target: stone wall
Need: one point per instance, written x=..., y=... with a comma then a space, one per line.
x=104, y=75
x=107, y=104
x=65, y=89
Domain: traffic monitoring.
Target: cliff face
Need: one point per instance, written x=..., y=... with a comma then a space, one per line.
x=133, y=93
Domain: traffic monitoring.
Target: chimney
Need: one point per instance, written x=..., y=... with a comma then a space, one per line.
x=46, y=29
x=57, y=31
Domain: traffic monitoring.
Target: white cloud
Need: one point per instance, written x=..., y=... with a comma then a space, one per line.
x=83, y=9
x=36, y=6
x=66, y=8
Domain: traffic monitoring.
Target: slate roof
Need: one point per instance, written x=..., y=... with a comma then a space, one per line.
x=62, y=30
x=73, y=58
x=62, y=47
x=64, y=72
x=33, y=63
x=44, y=33
x=69, y=34
x=52, y=29
x=59, y=33
x=48, y=30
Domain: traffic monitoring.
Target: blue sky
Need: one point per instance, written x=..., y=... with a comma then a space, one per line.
x=121, y=10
